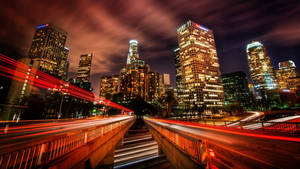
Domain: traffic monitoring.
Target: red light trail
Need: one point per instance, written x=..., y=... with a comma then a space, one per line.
x=23, y=73
x=230, y=130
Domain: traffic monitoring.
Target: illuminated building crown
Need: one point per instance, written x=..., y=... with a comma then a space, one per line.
x=133, y=51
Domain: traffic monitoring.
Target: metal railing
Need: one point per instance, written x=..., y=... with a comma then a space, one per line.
x=42, y=152
x=291, y=128
x=285, y=128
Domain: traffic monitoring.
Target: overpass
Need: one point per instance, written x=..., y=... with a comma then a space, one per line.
x=63, y=144
x=201, y=146
x=90, y=143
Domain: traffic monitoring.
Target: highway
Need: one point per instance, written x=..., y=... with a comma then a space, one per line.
x=32, y=132
x=237, y=148
x=255, y=115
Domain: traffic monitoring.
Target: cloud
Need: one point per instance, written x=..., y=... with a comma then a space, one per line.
x=105, y=27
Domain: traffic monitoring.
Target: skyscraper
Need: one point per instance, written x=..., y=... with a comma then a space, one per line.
x=109, y=85
x=64, y=65
x=201, y=77
x=164, y=83
x=136, y=78
x=48, y=49
x=178, y=73
x=260, y=67
x=152, y=88
x=286, y=75
x=84, y=69
x=236, y=89
x=166, y=79
x=133, y=53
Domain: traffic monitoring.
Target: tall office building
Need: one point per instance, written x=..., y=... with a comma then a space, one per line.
x=178, y=72
x=164, y=83
x=166, y=79
x=152, y=86
x=260, y=67
x=64, y=65
x=84, y=69
x=201, y=77
x=136, y=79
x=287, y=74
x=236, y=89
x=48, y=49
x=133, y=53
x=109, y=85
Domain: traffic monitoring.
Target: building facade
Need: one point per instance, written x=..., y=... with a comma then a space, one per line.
x=84, y=69
x=236, y=89
x=152, y=86
x=263, y=76
x=136, y=79
x=287, y=75
x=164, y=83
x=109, y=86
x=178, y=77
x=260, y=67
x=199, y=65
x=48, y=50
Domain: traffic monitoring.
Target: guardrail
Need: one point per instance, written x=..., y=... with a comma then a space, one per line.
x=194, y=148
x=42, y=152
x=285, y=128
x=291, y=128
x=227, y=147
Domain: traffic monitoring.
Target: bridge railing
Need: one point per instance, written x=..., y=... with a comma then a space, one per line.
x=285, y=128
x=290, y=128
x=220, y=146
x=190, y=146
x=42, y=152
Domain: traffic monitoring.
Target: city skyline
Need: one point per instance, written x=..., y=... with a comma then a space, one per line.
x=157, y=44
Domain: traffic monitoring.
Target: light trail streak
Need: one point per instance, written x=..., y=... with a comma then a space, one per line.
x=60, y=127
x=21, y=72
x=229, y=130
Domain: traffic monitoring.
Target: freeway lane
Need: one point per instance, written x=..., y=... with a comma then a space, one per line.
x=254, y=116
x=236, y=149
x=28, y=133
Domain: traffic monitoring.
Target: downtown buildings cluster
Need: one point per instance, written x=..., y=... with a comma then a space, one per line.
x=199, y=83
x=48, y=53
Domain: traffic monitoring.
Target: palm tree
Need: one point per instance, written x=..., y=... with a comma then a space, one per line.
x=170, y=101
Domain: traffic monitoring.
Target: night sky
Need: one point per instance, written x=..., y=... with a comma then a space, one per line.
x=104, y=28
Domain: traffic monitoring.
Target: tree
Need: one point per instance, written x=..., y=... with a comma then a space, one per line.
x=170, y=101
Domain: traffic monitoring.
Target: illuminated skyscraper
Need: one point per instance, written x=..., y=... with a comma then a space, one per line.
x=201, y=77
x=286, y=75
x=136, y=78
x=166, y=79
x=152, y=86
x=260, y=67
x=133, y=53
x=178, y=73
x=109, y=85
x=48, y=49
x=64, y=65
x=164, y=83
x=84, y=69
